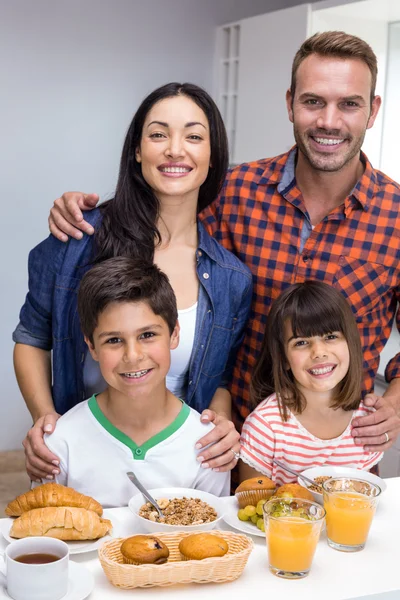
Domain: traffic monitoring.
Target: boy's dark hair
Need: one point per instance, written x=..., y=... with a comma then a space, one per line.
x=337, y=44
x=129, y=221
x=312, y=308
x=123, y=279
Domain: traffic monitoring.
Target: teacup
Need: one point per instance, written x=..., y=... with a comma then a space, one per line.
x=36, y=568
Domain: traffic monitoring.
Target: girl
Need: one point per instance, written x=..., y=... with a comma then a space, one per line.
x=307, y=385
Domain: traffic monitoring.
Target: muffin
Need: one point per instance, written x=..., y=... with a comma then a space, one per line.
x=293, y=490
x=144, y=550
x=202, y=545
x=251, y=491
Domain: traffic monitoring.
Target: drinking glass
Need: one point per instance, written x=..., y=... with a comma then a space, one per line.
x=292, y=529
x=350, y=506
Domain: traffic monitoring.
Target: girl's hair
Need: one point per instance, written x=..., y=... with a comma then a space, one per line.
x=311, y=308
x=129, y=220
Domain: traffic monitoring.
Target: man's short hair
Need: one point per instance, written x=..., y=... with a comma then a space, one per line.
x=123, y=279
x=336, y=44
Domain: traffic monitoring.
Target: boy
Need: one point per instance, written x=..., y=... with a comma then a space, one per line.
x=128, y=316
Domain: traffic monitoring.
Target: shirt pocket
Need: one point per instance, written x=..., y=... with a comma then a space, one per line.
x=65, y=312
x=363, y=283
x=217, y=350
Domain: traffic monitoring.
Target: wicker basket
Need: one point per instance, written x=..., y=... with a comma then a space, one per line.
x=224, y=568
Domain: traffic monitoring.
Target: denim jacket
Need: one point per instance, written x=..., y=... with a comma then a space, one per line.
x=49, y=318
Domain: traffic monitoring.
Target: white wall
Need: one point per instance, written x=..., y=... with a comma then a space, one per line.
x=72, y=74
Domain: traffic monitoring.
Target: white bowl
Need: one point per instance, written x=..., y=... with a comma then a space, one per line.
x=137, y=501
x=339, y=472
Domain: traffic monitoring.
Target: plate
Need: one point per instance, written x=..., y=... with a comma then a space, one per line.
x=80, y=583
x=340, y=472
x=74, y=547
x=230, y=517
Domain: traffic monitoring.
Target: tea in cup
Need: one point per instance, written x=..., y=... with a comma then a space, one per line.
x=36, y=568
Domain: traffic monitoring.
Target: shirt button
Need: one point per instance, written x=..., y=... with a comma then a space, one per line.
x=305, y=258
x=190, y=382
x=138, y=451
x=199, y=253
x=205, y=276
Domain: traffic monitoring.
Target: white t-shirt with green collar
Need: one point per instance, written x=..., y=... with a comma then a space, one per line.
x=95, y=456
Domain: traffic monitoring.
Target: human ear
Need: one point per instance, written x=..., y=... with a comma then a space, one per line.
x=92, y=349
x=174, y=342
x=138, y=156
x=289, y=105
x=375, y=106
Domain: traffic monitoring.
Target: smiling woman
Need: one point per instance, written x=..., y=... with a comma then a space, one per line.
x=173, y=163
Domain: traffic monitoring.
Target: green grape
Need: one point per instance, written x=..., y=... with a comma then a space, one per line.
x=249, y=510
x=260, y=524
x=242, y=515
x=254, y=518
x=259, y=507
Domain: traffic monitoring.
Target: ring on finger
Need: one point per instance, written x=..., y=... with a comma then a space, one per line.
x=387, y=437
x=236, y=454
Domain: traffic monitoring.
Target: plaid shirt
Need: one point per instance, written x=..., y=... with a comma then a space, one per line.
x=260, y=216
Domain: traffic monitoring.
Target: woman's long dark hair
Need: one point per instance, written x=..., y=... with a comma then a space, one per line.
x=129, y=220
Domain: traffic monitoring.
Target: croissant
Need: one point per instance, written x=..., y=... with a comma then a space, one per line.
x=51, y=494
x=63, y=523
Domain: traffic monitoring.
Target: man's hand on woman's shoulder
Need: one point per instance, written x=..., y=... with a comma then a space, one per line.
x=66, y=218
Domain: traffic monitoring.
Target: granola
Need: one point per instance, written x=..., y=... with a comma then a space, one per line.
x=318, y=483
x=179, y=511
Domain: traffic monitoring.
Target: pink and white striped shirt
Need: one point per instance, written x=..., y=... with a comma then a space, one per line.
x=265, y=436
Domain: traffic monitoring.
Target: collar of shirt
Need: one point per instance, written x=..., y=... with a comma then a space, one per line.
x=282, y=172
x=205, y=243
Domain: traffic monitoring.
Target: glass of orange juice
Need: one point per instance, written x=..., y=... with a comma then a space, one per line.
x=350, y=505
x=292, y=529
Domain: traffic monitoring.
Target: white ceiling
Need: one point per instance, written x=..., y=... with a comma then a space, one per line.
x=380, y=10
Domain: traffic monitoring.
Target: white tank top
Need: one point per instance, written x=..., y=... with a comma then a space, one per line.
x=180, y=359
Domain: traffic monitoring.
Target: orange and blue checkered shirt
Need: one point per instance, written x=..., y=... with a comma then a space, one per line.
x=260, y=216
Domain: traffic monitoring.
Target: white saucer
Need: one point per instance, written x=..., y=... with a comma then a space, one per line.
x=74, y=547
x=230, y=517
x=80, y=583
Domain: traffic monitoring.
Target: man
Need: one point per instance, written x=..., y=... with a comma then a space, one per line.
x=319, y=211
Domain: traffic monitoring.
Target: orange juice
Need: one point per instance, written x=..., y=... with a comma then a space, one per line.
x=348, y=517
x=291, y=543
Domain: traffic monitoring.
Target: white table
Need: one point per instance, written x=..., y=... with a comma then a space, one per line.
x=372, y=573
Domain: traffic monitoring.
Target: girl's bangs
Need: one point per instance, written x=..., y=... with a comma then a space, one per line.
x=315, y=318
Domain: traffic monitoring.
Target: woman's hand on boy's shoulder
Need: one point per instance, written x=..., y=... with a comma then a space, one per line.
x=222, y=454
x=39, y=461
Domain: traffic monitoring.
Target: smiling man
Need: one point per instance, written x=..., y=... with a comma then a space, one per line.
x=320, y=211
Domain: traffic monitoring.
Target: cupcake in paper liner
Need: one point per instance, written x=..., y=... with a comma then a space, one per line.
x=251, y=491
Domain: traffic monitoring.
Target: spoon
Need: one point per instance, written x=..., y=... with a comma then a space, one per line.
x=145, y=493
x=303, y=477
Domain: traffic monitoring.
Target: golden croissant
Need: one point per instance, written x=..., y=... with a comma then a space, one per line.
x=51, y=494
x=63, y=523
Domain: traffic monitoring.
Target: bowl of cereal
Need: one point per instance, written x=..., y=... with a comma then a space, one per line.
x=321, y=474
x=183, y=509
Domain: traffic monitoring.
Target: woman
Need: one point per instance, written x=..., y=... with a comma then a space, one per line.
x=173, y=164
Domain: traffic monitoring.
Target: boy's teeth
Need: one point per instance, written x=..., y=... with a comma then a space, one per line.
x=136, y=374
x=175, y=170
x=321, y=371
x=328, y=141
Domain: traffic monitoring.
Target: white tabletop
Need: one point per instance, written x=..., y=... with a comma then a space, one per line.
x=334, y=575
